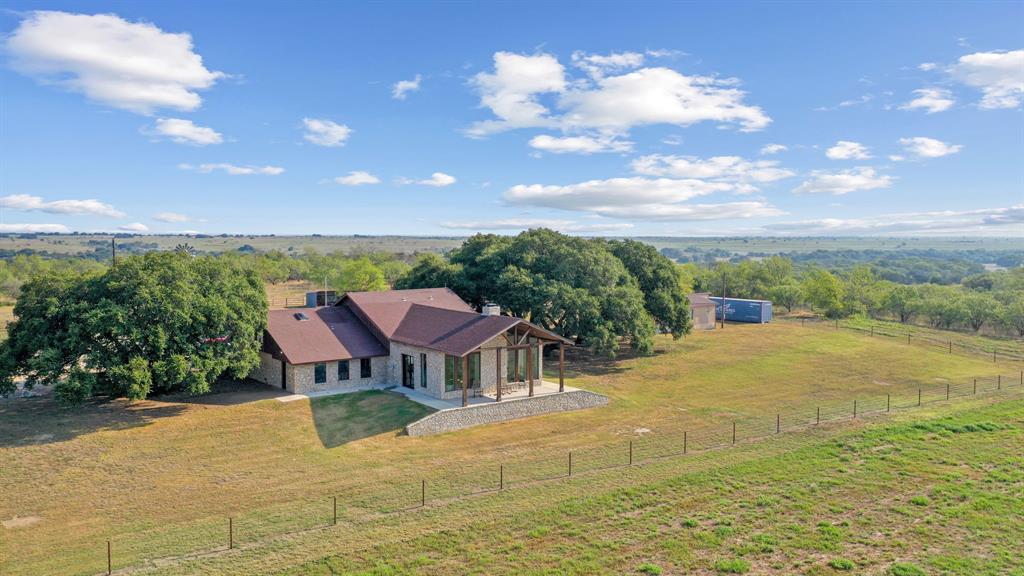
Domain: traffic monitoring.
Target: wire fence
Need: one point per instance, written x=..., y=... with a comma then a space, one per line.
x=997, y=351
x=365, y=501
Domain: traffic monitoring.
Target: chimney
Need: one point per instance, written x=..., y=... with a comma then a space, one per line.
x=491, y=309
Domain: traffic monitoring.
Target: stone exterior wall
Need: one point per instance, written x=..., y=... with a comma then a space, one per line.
x=301, y=376
x=435, y=368
x=476, y=414
x=269, y=371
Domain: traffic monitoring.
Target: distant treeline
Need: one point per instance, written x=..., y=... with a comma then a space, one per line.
x=910, y=266
x=994, y=300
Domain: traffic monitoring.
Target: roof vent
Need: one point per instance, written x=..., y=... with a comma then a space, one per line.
x=491, y=309
x=301, y=316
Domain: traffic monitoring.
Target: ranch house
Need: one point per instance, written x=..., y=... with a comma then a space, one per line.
x=427, y=340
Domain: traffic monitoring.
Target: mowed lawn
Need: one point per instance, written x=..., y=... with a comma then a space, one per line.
x=160, y=478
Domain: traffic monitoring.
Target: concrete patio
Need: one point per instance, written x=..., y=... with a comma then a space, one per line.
x=540, y=388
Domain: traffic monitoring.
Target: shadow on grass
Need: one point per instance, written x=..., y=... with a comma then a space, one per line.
x=583, y=362
x=348, y=417
x=229, y=393
x=41, y=420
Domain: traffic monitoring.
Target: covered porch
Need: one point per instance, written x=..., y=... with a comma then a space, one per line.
x=478, y=396
x=506, y=366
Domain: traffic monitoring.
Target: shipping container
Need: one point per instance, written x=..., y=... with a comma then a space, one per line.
x=742, y=310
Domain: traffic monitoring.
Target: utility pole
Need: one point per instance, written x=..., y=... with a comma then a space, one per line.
x=724, y=277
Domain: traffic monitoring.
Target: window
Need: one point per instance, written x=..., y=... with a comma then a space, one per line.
x=515, y=363
x=423, y=370
x=364, y=368
x=319, y=373
x=343, y=370
x=453, y=372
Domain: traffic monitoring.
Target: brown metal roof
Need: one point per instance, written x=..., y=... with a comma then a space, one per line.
x=458, y=333
x=330, y=333
x=386, y=309
x=700, y=299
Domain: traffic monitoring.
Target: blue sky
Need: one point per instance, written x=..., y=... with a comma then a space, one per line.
x=419, y=118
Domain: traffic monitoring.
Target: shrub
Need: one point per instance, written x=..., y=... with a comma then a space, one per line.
x=649, y=569
x=902, y=569
x=919, y=501
x=841, y=564
x=732, y=566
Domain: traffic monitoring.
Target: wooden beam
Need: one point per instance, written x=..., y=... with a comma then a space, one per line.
x=561, y=367
x=465, y=380
x=498, y=373
x=529, y=368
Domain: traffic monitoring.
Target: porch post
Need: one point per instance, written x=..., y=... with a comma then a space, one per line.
x=561, y=367
x=465, y=380
x=529, y=367
x=498, y=379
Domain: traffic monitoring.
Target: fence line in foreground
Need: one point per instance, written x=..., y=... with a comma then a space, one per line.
x=669, y=442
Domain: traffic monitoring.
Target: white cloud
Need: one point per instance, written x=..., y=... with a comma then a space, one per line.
x=607, y=104
x=186, y=132
x=134, y=227
x=401, y=88
x=597, y=65
x=927, y=66
x=773, y=149
x=929, y=147
x=579, y=144
x=172, y=217
x=323, y=132
x=130, y=65
x=234, y=170
x=846, y=150
x=658, y=96
x=527, y=223
x=437, y=180
x=989, y=221
x=896, y=158
x=742, y=174
x=612, y=192
x=932, y=100
x=999, y=76
x=33, y=228
x=511, y=91
x=357, y=178
x=843, y=182
x=29, y=203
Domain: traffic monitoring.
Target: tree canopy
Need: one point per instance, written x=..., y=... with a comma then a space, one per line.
x=591, y=290
x=155, y=323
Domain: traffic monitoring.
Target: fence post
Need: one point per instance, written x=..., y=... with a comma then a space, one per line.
x=947, y=390
x=950, y=346
x=854, y=408
x=993, y=356
x=778, y=423
x=501, y=477
x=570, y=463
x=734, y=432
x=872, y=329
x=837, y=324
x=231, y=533
x=888, y=402
x=684, y=441
x=818, y=420
x=918, y=396
x=999, y=382
x=908, y=337
x=335, y=511
x=110, y=566
x=630, y=452
x=423, y=493
x=975, y=386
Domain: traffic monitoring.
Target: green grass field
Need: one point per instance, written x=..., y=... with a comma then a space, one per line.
x=159, y=478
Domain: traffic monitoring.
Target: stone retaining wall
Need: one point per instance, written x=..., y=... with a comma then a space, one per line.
x=476, y=414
